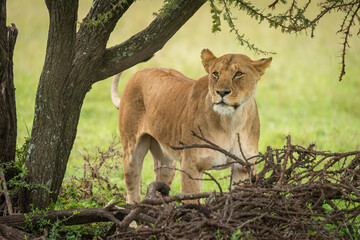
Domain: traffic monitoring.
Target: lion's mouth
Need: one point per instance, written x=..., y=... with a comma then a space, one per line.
x=224, y=104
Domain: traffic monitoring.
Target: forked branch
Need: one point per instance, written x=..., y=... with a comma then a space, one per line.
x=210, y=145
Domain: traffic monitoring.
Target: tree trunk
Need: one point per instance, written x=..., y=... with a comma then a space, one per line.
x=7, y=92
x=74, y=61
x=55, y=120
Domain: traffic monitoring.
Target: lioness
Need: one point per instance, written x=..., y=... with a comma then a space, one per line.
x=160, y=107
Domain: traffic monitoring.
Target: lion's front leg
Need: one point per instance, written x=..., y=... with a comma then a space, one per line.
x=240, y=174
x=190, y=178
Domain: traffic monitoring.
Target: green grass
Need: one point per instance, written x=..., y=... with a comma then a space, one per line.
x=299, y=95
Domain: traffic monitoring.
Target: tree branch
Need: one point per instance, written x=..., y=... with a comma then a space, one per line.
x=144, y=44
x=213, y=146
x=10, y=233
x=69, y=216
x=116, y=214
x=347, y=35
x=99, y=24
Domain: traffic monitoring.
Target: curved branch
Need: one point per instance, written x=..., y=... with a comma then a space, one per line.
x=347, y=34
x=100, y=22
x=146, y=43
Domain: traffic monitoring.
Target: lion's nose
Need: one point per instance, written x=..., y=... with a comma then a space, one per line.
x=223, y=93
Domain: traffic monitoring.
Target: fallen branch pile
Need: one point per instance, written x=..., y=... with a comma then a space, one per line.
x=300, y=193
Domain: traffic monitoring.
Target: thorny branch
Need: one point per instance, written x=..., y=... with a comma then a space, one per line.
x=347, y=34
x=211, y=178
x=287, y=154
x=213, y=146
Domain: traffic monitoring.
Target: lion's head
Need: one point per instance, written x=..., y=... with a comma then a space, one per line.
x=232, y=79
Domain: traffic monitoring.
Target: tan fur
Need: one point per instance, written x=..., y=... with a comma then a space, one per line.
x=160, y=107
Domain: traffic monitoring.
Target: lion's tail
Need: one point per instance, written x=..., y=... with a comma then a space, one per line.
x=114, y=91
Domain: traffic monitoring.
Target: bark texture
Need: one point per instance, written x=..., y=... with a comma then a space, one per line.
x=74, y=61
x=9, y=233
x=7, y=91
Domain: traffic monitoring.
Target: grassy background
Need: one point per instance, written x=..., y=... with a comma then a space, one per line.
x=299, y=95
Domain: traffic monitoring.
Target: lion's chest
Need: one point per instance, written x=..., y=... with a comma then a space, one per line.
x=208, y=159
x=219, y=160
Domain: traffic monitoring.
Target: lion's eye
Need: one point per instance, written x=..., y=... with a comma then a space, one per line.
x=215, y=75
x=238, y=74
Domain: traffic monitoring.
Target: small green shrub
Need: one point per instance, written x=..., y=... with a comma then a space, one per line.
x=95, y=187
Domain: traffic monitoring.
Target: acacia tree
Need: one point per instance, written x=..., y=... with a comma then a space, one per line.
x=76, y=59
x=7, y=91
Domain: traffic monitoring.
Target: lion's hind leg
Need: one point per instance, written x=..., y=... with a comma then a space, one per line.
x=163, y=164
x=132, y=163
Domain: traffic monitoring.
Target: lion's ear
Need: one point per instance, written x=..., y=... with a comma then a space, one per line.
x=207, y=59
x=262, y=64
